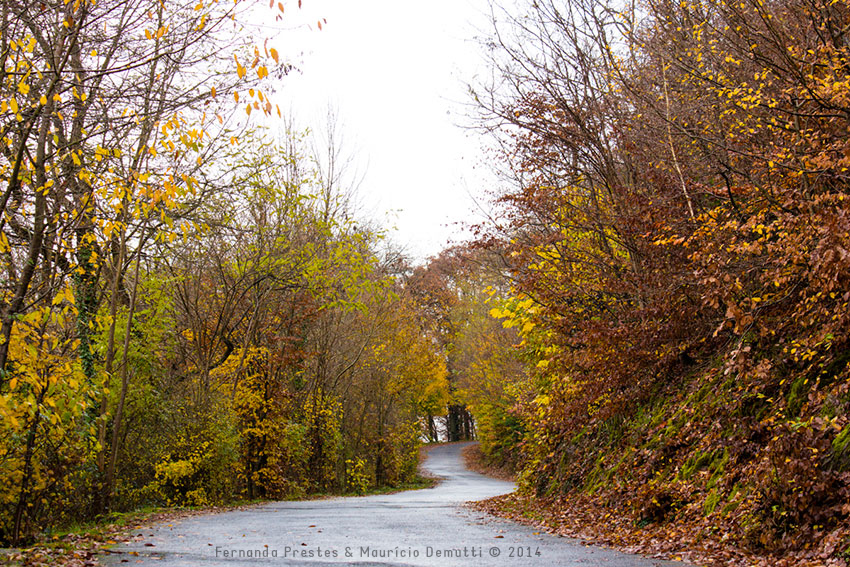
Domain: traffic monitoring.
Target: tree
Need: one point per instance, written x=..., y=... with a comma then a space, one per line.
x=675, y=232
x=107, y=111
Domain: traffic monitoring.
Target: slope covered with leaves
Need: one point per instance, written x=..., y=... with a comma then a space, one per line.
x=679, y=244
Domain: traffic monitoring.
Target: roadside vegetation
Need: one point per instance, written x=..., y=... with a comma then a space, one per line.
x=675, y=234
x=192, y=310
x=652, y=332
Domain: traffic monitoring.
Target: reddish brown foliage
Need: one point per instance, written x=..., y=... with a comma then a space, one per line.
x=682, y=223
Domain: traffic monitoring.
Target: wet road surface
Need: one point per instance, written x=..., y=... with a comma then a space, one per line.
x=415, y=528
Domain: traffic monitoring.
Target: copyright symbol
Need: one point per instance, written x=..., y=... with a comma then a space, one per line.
x=495, y=552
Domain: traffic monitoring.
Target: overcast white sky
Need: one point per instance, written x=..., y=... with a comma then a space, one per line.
x=394, y=71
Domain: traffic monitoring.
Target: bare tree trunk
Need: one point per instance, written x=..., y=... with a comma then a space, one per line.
x=23, y=494
x=125, y=381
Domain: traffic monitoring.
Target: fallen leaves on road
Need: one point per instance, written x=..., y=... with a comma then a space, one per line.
x=590, y=520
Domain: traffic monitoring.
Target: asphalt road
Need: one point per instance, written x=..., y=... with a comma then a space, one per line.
x=415, y=528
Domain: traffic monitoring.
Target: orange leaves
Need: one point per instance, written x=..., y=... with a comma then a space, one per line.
x=741, y=319
x=158, y=34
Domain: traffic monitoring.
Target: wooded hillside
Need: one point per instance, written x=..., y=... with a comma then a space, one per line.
x=678, y=241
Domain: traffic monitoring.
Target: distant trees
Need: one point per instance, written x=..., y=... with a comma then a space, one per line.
x=436, y=291
x=455, y=292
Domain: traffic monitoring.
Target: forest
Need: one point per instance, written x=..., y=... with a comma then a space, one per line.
x=192, y=313
x=651, y=329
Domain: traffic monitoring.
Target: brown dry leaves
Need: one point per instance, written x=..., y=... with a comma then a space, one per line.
x=592, y=521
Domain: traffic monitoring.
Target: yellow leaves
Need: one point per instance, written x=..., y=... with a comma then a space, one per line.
x=23, y=88
x=13, y=421
x=13, y=104
x=66, y=295
x=101, y=153
x=262, y=72
x=212, y=92
x=274, y=55
x=542, y=400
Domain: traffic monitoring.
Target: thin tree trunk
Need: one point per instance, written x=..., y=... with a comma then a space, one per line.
x=125, y=381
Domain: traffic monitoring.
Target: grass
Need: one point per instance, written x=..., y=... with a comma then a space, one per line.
x=80, y=543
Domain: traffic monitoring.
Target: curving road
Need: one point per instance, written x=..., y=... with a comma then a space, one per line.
x=415, y=528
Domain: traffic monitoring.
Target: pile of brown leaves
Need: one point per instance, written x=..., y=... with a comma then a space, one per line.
x=588, y=518
x=475, y=460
